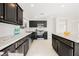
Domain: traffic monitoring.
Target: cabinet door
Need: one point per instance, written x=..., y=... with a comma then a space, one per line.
x=45, y=35
x=54, y=44
x=26, y=47
x=64, y=50
x=1, y=11
x=12, y=48
x=20, y=15
x=23, y=48
x=10, y=13
x=59, y=48
x=76, y=49
x=20, y=51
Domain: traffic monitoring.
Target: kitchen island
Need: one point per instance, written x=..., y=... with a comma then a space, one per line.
x=66, y=45
x=15, y=44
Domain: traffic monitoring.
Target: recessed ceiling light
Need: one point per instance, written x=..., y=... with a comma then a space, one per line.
x=62, y=5
x=32, y=5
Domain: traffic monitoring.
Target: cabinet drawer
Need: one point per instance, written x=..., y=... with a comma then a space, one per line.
x=64, y=50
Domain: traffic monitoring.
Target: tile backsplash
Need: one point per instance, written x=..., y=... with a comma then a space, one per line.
x=6, y=29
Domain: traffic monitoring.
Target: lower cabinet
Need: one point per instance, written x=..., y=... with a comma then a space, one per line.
x=76, y=49
x=23, y=48
x=34, y=35
x=12, y=48
x=19, y=48
x=26, y=47
x=62, y=47
x=54, y=44
x=64, y=50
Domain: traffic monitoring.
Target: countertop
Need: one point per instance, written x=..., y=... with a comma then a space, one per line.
x=8, y=40
x=74, y=37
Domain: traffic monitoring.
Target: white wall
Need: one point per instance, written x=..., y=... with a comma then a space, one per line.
x=51, y=26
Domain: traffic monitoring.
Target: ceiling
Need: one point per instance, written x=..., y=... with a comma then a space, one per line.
x=44, y=10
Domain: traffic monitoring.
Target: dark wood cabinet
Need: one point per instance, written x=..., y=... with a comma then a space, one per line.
x=11, y=13
x=33, y=23
x=26, y=46
x=34, y=35
x=76, y=49
x=64, y=50
x=12, y=48
x=19, y=15
x=62, y=46
x=54, y=44
x=1, y=11
x=22, y=46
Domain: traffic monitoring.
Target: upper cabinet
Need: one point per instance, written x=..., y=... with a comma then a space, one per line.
x=1, y=11
x=11, y=13
x=19, y=15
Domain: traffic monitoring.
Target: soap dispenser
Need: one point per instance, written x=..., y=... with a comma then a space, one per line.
x=17, y=30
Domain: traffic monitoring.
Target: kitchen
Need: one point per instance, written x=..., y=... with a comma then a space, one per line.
x=57, y=23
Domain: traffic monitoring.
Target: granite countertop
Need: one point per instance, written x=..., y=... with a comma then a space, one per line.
x=8, y=40
x=74, y=38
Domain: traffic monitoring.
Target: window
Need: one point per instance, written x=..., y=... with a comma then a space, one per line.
x=61, y=25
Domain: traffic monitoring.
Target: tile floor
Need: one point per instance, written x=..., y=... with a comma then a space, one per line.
x=41, y=48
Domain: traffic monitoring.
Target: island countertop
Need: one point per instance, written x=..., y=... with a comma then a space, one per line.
x=74, y=38
x=8, y=40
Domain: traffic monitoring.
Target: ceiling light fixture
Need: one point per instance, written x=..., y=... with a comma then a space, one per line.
x=32, y=5
x=62, y=5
